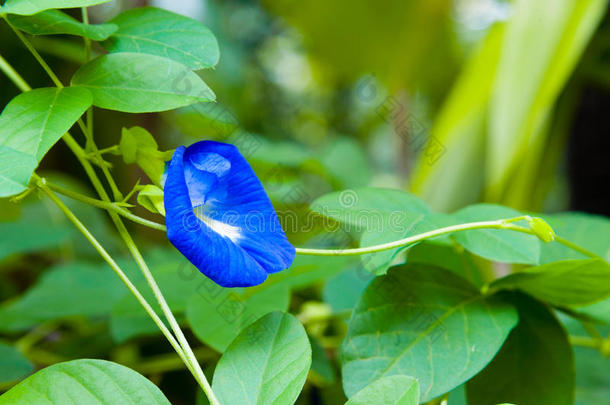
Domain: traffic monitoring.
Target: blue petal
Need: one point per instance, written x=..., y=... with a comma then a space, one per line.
x=219, y=216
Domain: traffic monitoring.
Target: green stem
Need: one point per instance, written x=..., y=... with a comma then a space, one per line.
x=497, y=224
x=36, y=55
x=584, y=341
x=190, y=358
x=105, y=205
x=184, y=350
x=13, y=75
x=41, y=183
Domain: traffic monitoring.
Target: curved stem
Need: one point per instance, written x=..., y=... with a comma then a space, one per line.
x=13, y=75
x=497, y=224
x=185, y=352
x=188, y=352
x=41, y=183
x=105, y=205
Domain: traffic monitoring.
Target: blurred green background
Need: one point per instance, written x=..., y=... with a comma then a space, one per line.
x=458, y=101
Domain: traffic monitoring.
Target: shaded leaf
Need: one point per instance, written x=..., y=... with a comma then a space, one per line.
x=266, y=364
x=535, y=365
x=13, y=365
x=135, y=82
x=77, y=289
x=217, y=315
x=424, y=322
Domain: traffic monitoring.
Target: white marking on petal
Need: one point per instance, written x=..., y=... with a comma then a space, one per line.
x=225, y=230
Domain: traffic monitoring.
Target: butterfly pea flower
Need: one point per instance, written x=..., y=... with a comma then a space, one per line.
x=220, y=218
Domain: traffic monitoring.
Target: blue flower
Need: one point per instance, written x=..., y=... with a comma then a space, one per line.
x=220, y=218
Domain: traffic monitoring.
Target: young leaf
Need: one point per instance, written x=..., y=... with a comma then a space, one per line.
x=151, y=198
x=564, y=283
x=139, y=146
x=85, y=382
x=135, y=82
x=424, y=322
x=29, y=7
x=497, y=244
x=163, y=33
x=57, y=22
x=13, y=365
x=535, y=365
x=29, y=125
x=392, y=390
x=266, y=364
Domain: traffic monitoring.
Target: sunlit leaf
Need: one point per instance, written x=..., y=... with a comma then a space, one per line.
x=160, y=32
x=29, y=126
x=135, y=82
x=266, y=364
x=424, y=322
x=85, y=382
x=392, y=390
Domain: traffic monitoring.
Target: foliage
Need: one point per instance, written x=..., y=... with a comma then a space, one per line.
x=455, y=290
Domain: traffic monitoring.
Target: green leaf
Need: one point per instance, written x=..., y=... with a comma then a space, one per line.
x=139, y=146
x=163, y=33
x=85, y=382
x=368, y=208
x=392, y=390
x=29, y=7
x=452, y=258
x=542, y=44
x=217, y=315
x=342, y=291
x=266, y=364
x=22, y=237
x=322, y=370
x=497, y=244
x=77, y=289
x=590, y=232
x=399, y=227
x=424, y=322
x=135, y=82
x=535, y=365
x=599, y=312
x=13, y=366
x=30, y=125
x=345, y=161
x=56, y=22
x=564, y=283
x=151, y=198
